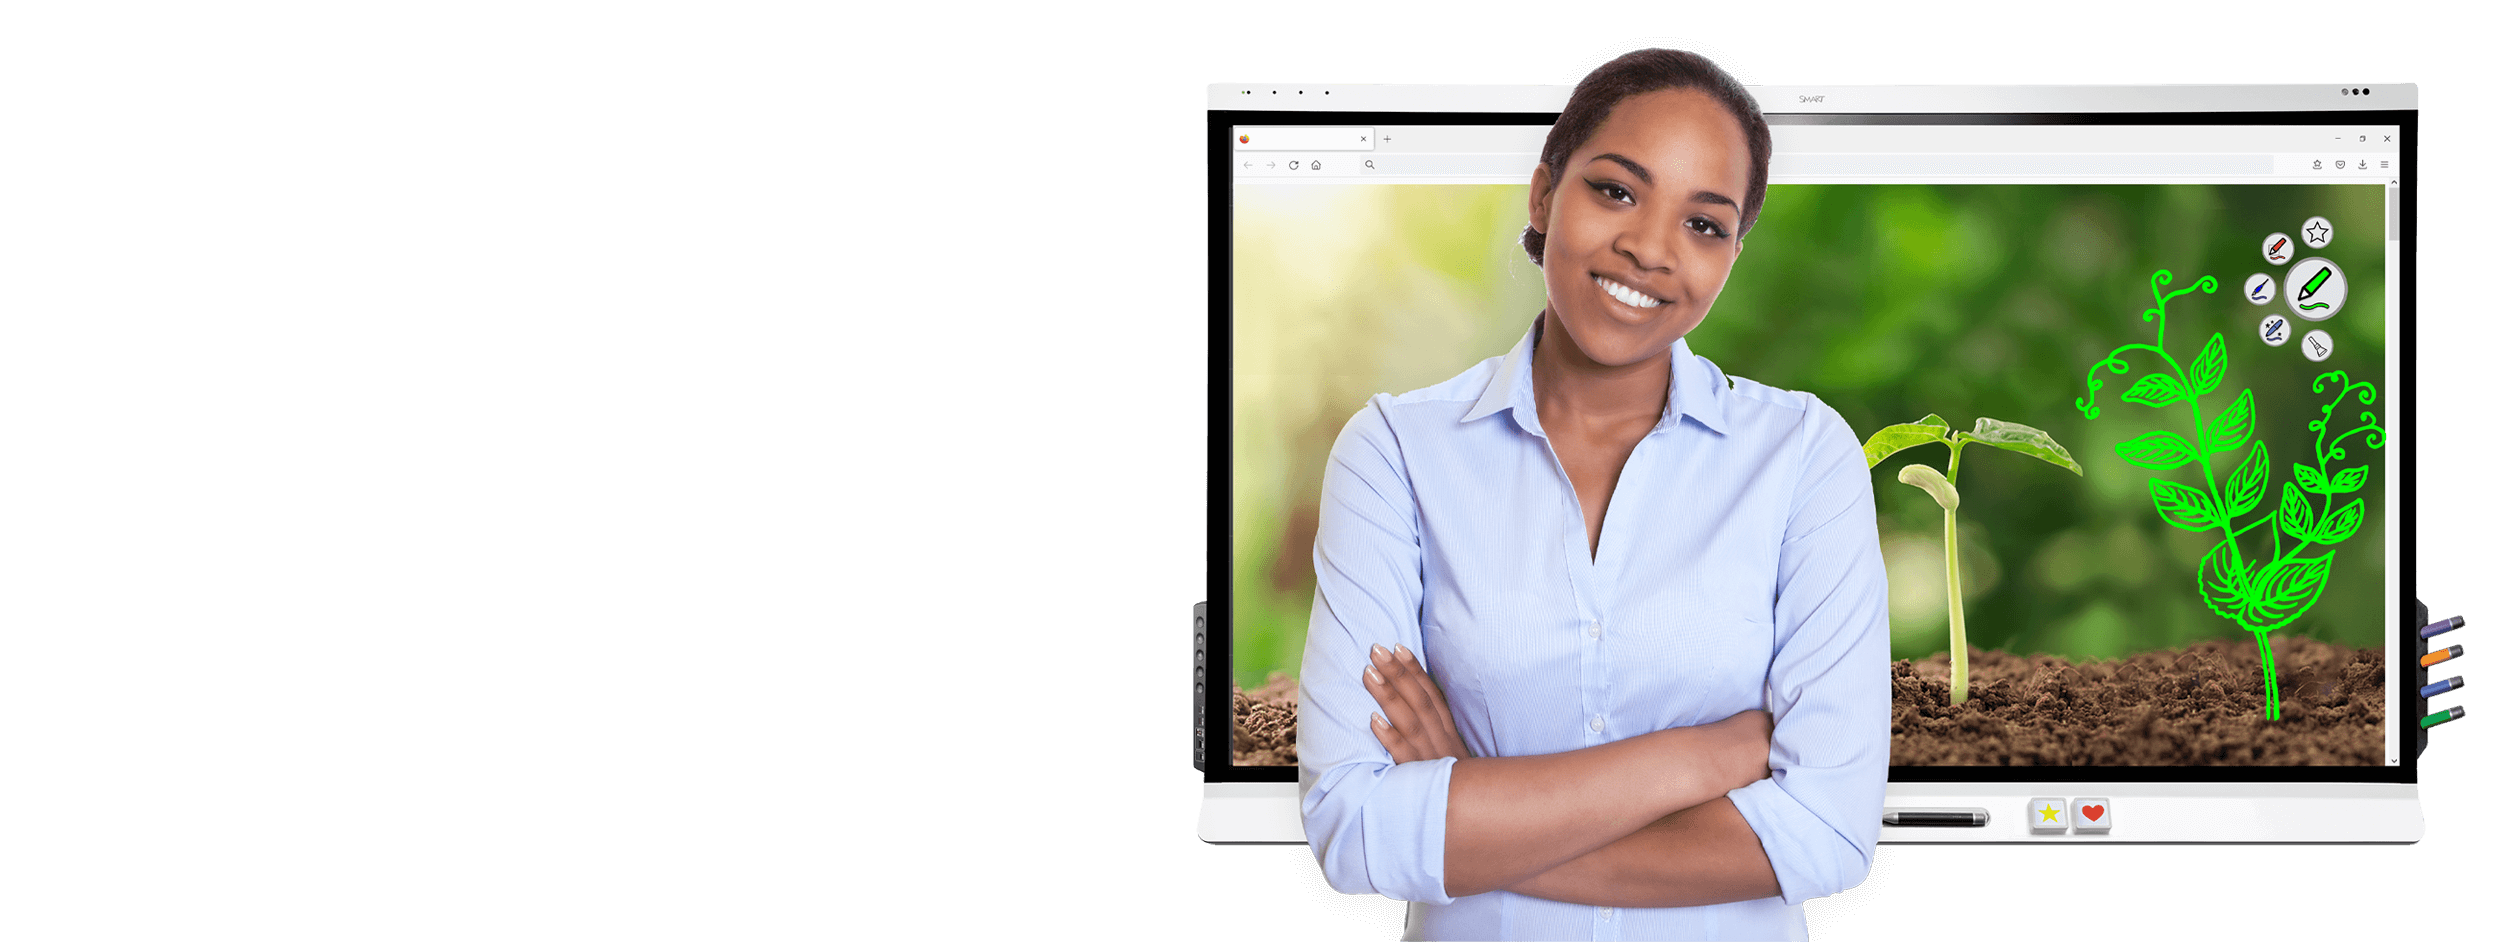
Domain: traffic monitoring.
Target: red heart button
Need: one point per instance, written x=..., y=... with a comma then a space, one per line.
x=2092, y=812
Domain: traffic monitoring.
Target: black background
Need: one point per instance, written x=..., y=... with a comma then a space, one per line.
x=1946, y=890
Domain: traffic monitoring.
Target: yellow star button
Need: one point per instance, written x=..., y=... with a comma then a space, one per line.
x=2048, y=815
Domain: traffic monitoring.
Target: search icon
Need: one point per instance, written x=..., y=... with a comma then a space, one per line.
x=1367, y=165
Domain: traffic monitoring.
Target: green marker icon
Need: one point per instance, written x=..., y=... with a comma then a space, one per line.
x=2315, y=288
x=2315, y=282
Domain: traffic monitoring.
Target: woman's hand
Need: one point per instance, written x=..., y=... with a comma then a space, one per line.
x=1419, y=724
x=1744, y=753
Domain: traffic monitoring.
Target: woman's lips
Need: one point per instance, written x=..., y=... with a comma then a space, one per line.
x=1620, y=292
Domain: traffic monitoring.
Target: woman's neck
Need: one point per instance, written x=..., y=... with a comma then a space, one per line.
x=1579, y=393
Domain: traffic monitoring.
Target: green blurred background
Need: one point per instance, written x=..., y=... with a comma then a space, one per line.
x=1888, y=302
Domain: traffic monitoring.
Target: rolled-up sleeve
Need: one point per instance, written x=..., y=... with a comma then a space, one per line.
x=1376, y=826
x=1829, y=683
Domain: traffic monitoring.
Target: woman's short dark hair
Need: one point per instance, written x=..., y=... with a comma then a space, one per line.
x=1651, y=70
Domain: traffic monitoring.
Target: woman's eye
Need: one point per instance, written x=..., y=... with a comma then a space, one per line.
x=1612, y=191
x=1705, y=226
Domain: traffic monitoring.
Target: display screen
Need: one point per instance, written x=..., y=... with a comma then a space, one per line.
x=2127, y=394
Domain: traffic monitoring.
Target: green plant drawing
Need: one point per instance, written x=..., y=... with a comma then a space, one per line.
x=2011, y=436
x=2258, y=598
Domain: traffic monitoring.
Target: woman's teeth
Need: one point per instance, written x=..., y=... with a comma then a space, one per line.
x=1626, y=295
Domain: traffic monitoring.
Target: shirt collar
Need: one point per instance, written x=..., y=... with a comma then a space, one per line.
x=1695, y=392
x=1511, y=388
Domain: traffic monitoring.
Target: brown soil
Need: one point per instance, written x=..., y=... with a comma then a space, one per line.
x=2200, y=706
x=1263, y=730
x=2203, y=705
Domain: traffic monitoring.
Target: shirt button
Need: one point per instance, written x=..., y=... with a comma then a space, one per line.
x=1606, y=913
x=1595, y=630
x=1597, y=724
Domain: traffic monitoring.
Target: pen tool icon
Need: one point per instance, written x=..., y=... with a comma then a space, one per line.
x=2317, y=288
x=2310, y=290
x=2259, y=288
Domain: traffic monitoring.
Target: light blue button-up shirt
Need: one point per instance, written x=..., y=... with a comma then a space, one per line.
x=1738, y=569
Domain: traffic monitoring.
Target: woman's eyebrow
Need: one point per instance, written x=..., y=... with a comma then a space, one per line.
x=1706, y=196
x=1699, y=196
x=1637, y=170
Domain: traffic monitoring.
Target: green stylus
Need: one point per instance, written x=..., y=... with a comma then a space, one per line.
x=2315, y=282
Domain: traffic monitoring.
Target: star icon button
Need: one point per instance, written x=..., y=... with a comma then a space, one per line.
x=2047, y=815
x=2317, y=232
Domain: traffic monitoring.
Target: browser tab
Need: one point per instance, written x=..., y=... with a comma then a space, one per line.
x=1336, y=138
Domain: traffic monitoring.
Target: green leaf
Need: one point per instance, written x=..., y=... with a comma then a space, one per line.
x=2223, y=582
x=2293, y=515
x=2230, y=430
x=2248, y=484
x=1932, y=481
x=1892, y=438
x=2309, y=478
x=2017, y=437
x=2159, y=451
x=2156, y=390
x=2206, y=375
x=2348, y=480
x=1932, y=419
x=2184, y=507
x=2339, y=525
x=2286, y=590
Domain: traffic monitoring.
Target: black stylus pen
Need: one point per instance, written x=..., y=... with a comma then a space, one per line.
x=1936, y=819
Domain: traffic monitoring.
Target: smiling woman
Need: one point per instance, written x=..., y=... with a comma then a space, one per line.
x=1598, y=644
x=1633, y=260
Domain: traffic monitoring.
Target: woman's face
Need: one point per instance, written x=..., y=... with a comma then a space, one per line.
x=1640, y=227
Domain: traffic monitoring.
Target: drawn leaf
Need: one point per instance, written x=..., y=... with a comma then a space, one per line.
x=2156, y=390
x=2340, y=524
x=1892, y=438
x=2248, y=484
x=2159, y=451
x=2184, y=507
x=2293, y=515
x=2286, y=590
x=2017, y=437
x=2222, y=582
x=1932, y=481
x=2309, y=478
x=2230, y=430
x=2206, y=374
x=2348, y=480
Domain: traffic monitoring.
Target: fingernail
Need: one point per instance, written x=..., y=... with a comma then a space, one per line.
x=1377, y=721
x=1409, y=655
x=1375, y=676
x=1379, y=652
